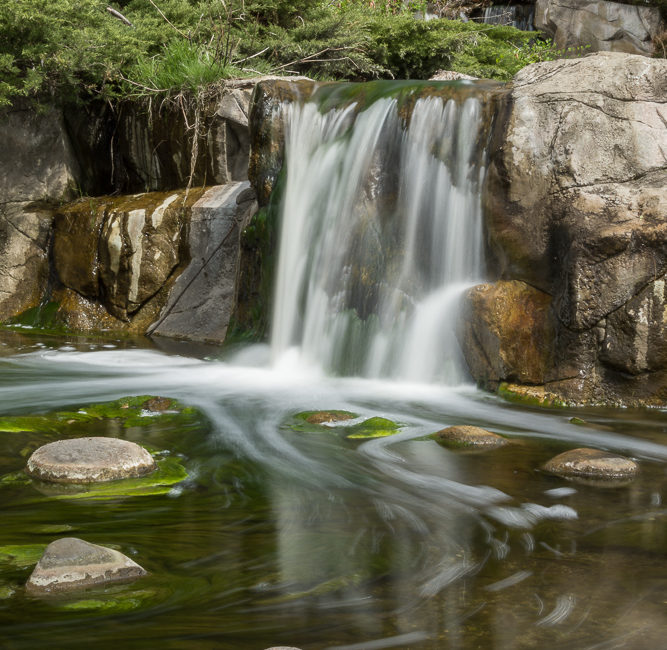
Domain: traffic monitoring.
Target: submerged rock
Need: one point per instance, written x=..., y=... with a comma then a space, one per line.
x=70, y=563
x=469, y=436
x=591, y=464
x=89, y=460
x=326, y=417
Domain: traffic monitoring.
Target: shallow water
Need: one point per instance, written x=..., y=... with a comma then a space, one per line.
x=318, y=541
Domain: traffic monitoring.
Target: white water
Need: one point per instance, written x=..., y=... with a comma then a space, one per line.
x=519, y=16
x=381, y=231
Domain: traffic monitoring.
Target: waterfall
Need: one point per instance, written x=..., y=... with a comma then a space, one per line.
x=519, y=16
x=381, y=230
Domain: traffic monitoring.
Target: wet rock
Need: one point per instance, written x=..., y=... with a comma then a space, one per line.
x=576, y=207
x=599, y=26
x=469, y=436
x=591, y=464
x=70, y=563
x=89, y=460
x=37, y=170
x=157, y=404
x=506, y=333
x=325, y=417
x=203, y=297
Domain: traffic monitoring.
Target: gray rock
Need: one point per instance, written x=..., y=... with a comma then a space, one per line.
x=204, y=295
x=450, y=75
x=602, y=26
x=89, y=460
x=577, y=208
x=37, y=170
x=591, y=464
x=469, y=436
x=70, y=563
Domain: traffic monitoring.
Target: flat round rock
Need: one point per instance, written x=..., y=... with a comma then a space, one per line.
x=469, y=436
x=71, y=563
x=591, y=463
x=89, y=460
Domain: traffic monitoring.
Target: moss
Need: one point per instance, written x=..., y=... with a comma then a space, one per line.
x=333, y=421
x=530, y=396
x=44, y=318
x=6, y=591
x=114, y=603
x=21, y=556
x=170, y=471
x=135, y=411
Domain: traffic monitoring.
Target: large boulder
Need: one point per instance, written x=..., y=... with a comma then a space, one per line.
x=600, y=26
x=577, y=208
x=38, y=169
x=203, y=298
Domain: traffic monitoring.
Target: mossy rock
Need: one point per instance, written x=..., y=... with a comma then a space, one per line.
x=135, y=411
x=376, y=427
x=170, y=471
x=319, y=421
x=531, y=395
x=334, y=421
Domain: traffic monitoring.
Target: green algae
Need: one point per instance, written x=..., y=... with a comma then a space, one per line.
x=375, y=427
x=170, y=471
x=132, y=411
x=6, y=591
x=334, y=421
x=20, y=556
x=115, y=603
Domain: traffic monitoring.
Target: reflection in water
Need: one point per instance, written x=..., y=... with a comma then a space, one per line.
x=318, y=541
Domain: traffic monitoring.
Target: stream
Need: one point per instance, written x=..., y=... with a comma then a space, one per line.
x=281, y=537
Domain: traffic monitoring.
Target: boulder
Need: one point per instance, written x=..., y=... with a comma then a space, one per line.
x=89, y=460
x=506, y=331
x=38, y=169
x=600, y=26
x=576, y=207
x=469, y=436
x=69, y=564
x=591, y=464
x=203, y=297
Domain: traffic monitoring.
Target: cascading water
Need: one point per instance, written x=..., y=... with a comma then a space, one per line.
x=519, y=16
x=381, y=231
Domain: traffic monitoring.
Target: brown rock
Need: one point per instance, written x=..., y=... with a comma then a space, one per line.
x=469, y=436
x=591, y=464
x=507, y=333
x=70, y=564
x=324, y=417
x=89, y=460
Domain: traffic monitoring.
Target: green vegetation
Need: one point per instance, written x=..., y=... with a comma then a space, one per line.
x=68, y=50
x=333, y=421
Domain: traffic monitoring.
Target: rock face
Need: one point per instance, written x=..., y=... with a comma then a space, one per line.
x=69, y=564
x=602, y=26
x=37, y=169
x=89, y=460
x=155, y=142
x=576, y=207
x=204, y=295
x=591, y=464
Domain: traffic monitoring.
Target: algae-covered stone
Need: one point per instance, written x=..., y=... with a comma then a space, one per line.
x=327, y=417
x=469, y=436
x=376, y=427
x=89, y=460
x=71, y=563
x=591, y=464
